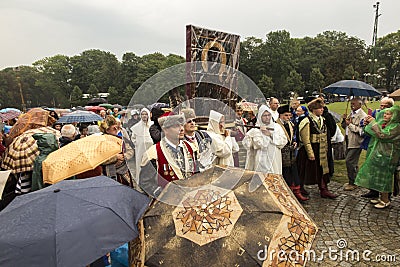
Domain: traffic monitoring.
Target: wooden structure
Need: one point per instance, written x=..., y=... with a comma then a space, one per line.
x=212, y=74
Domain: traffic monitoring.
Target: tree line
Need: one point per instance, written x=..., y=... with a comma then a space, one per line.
x=279, y=65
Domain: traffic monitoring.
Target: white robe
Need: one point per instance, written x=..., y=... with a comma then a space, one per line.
x=221, y=145
x=264, y=152
x=141, y=139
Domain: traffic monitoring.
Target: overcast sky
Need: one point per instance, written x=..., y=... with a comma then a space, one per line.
x=34, y=29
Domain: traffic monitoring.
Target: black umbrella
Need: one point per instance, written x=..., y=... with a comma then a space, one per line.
x=226, y=217
x=71, y=223
x=96, y=101
x=351, y=88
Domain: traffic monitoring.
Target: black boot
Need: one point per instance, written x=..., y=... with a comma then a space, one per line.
x=371, y=194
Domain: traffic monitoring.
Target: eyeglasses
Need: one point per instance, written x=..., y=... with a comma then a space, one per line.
x=190, y=121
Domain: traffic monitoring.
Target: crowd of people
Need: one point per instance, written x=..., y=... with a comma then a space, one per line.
x=296, y=141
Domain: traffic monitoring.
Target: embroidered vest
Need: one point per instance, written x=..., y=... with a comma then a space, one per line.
x=165, y=172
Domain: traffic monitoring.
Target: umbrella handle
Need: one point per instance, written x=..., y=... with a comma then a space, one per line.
x=347, y=106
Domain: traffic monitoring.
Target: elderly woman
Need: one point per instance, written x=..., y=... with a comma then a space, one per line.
x=312, y=159
x=222, y=144
x=382, y=155
x=116, y=167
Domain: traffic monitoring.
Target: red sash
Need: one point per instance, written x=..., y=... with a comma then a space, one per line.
x=165, y=172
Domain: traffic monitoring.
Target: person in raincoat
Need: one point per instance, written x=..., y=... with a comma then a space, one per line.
x=264, y=144
x=141, y=137
x=222, y=144
x=47, y=143
x=382, y=155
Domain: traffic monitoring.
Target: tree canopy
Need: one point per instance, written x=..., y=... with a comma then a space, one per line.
x=279, y=65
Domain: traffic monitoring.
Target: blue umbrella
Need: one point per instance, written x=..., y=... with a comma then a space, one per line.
x=71, y=223
x=352, y=88
x=80, y=116
x=9, y=109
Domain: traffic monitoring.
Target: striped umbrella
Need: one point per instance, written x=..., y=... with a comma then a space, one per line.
x=80, y=116
x=20, y=154
x=9, y=115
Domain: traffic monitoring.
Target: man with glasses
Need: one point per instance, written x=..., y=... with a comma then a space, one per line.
x=264, y=144
x=199, y=140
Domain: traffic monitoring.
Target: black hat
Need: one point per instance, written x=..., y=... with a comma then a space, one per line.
x=283, y=109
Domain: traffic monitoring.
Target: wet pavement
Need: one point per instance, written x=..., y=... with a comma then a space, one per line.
x=351, y=226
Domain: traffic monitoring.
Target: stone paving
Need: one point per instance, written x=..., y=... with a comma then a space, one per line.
x=350, y=224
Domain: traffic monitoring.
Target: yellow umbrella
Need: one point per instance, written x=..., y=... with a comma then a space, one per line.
x=79, y=156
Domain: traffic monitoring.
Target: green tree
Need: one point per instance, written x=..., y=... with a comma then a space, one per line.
x=95, y=67
x=281, y=57
x=251, y=58
x=266, y=85
x=76, y=97
x=93, y=91
x=114, y=96
x=342, y=51
x=53, y=76
x=129, y=70
x=127, y=96
x=388, y=60
x=350, y=74
x=316, y=80
x=293, y=83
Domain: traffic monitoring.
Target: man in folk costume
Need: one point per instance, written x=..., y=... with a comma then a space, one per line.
x=289, y=166
x=312, y=158
x=170, y=159
x=199, y=140
x=222, y=144
x=141, y=137
x=264, y=145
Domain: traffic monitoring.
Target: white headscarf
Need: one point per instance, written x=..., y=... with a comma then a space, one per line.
x=213, y=122
x=148, y=116
x=261, y=111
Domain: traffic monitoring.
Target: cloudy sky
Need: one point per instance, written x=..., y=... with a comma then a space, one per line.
x=33, y=29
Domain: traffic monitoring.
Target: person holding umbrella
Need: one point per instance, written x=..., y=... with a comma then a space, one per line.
x=116, y=167
x=354, y=139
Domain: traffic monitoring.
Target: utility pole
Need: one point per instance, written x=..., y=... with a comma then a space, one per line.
x=375, y=34
x=20, y=89
x=374, y=38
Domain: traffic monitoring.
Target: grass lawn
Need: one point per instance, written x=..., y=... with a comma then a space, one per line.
x=340, y=107
x=340, y=174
